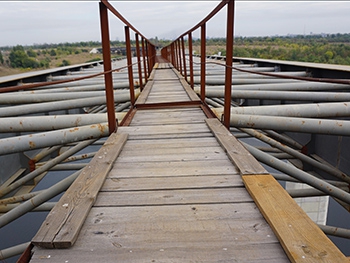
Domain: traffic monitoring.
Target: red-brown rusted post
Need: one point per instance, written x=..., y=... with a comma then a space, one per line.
x=190, y=51
x=173, y=54
x=129, y=61
x=184, y=57
x=180, y=53
x=228, y=70
x=107, y=67
x=144, y=59
x=203, y=57
x=138, y=59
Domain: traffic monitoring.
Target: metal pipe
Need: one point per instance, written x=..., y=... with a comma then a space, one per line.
x=68, y=167
x=37, y=200
x=45, y=167
x=304, y=125
x=138, y=55
x=190, y=51
x=314, y=110
x=335, y=231
x=51, y=122
x=298, y=174
x=284, y=139
x=27, y=98
x=13, y=251
x=326, y=168
x=59, y=105
x=279, y=95
x=18, y=198
x=63, y=136
x=45, y=207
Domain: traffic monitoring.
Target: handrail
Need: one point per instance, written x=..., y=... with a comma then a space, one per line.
x=149, y=51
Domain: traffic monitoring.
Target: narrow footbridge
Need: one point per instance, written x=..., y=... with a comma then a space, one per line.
x=176, y=186
x=175, y=156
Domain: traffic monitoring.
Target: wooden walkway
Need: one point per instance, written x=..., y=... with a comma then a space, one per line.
x=169, y=187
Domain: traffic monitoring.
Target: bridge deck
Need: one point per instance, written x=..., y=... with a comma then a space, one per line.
x=172, y=195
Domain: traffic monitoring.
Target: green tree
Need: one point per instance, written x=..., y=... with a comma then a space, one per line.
x=1, y=58
x=31, y=53
x=19, y=58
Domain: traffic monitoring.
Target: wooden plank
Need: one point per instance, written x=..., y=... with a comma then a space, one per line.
x=173, y=197
x=239, y=155
x=184, y=233
x=145, y=92
x=217, y=167
x=62, y=225
x=302, y=240
x=174, y=143
x=191, y=93
x=167, y=183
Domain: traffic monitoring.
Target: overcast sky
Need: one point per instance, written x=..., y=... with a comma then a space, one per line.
x=29, y=22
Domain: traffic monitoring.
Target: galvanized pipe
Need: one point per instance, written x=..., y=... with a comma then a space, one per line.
x=37, y=200
x=45, y=167
x=294, y=85
x=314, y=110
x=326, y=168
x=63, y=136
x=27, y=98
x=13, y=251
x=299, y=174
x=52, y=122
x=304, y=125
x=284, y=139
x=18, y=198
x=279, y=95
x=45, y=207
x=59, y=105
x=335, y=231
x=68, y=167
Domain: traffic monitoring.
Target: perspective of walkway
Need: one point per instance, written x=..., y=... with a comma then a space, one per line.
x=174, y=185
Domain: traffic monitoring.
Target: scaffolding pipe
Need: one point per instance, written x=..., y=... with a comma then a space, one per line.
x=13, y=251
x=14, y=99
x=335, y=231
x=51, y=138
x=314, y=110
x=18, y=198
x=299, y=174
x=45, y=167
x=60, y=105
x=295, y=85
x=303, y=125
x=304, y=158
x=52, y=122
x=45, y=207
x=37, y=200
x=279, y=95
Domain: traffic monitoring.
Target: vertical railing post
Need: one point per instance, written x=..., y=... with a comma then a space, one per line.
x=173, y=54
x=180, y=55
x=190, y=51
x=228, y=70
x=144, y=59
x=148, y=58
x=203, y=57
x=138, y=59
x=107, y=67
x=129, y=61
x=184, y=57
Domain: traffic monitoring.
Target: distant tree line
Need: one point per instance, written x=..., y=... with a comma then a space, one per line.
x=326, y=48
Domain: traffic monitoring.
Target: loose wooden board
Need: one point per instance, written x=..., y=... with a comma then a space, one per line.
x=62, y=225
x=302, y=240
x=239, y=155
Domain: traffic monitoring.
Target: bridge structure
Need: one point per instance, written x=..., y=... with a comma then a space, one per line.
x=176, y=158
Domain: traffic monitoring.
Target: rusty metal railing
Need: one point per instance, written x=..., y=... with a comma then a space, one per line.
x=148, y=54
